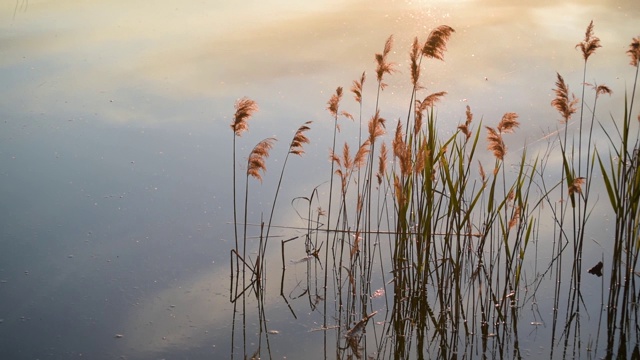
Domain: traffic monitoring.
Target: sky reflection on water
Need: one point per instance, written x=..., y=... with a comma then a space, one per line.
x=115, y=146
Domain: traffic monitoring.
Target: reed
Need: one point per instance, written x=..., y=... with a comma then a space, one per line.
x=622, y=182
x=412, y=216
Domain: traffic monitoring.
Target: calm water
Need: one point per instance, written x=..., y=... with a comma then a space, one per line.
x=115, y=148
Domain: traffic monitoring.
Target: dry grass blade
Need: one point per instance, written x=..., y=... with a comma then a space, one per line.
x=299, y=139
x=496, y=145
x=245, y=108
x=334, y=102
x=508, y=123
x=436, y=43
x=356, y=89
x=256, y=161
x=634, y=51
x=590, y=42
x=565, y=106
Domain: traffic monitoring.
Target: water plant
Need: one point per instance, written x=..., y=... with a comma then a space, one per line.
x=411, y=230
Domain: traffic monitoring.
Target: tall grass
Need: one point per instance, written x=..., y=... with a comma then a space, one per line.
x=622, y=180
x=442, y=232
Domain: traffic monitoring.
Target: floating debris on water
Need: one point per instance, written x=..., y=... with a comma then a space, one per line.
x=378, y=293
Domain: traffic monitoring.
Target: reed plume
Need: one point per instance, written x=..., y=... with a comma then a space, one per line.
x=634, y=51
x=590, y=42
x=334, y=102
x=384, y=66
x=299, y=139
x=436, y=43
x=576, y=186
x=483, y=175
x=401, y=151
x=496, y=144
x=382, y=161
x=421, y=106
x=603, y=89
x=356, y=89
x=256, y=160
x=514, y=218
x=415, y=62
x=421, y=158
x=565, y=106
x=361, y=154
x=245, y=108
x=508, y=123
x=376, y=127
x=432, y=99
x=464, y=128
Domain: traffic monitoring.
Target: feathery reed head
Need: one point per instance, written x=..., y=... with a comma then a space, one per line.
x=376, y=127
x=602, y=90
x=382, y=162
x=590, y=42
x=346, y=156
x=415, y=66
x=436, y=43
x=245, y=107
x=356, y=89
x=565, y=107
x=483, y=175
x=401, y=151
x=299, y=139
x=515, y=217
x=464, y=128
x=361, y=154
x=576, y=186
x=432, y=99
x=634, y=51
x=508, y=123
x=256, y=161
x=384, y=67
x=496, y=145
x=334, y=102
x=398, y=142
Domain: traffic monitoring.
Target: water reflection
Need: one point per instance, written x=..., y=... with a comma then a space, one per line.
x=114, y=155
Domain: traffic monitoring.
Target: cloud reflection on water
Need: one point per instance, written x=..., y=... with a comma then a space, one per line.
x=151, y=63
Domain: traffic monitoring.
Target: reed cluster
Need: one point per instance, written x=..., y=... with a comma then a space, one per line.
x=410, y=219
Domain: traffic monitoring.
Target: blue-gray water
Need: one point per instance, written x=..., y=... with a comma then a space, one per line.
x=115, y=146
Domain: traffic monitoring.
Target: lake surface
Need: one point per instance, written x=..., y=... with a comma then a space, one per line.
x=116, y=158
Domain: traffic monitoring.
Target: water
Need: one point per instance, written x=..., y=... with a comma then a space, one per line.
x=115, y=149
